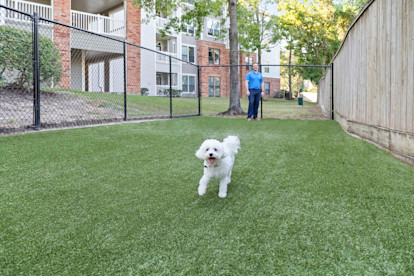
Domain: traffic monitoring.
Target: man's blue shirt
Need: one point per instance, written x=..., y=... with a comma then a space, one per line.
x=255, y=80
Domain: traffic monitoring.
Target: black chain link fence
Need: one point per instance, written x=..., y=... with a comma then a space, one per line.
x=16, y=70
x=55, y=75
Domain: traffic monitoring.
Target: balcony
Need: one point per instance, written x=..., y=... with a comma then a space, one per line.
x=98, y=23
x=161, y=22
x=44, y=11
x=87, y=21
x=166, y=59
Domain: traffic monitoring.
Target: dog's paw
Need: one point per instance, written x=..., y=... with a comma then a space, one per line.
x=222, y=195
x=201, y=191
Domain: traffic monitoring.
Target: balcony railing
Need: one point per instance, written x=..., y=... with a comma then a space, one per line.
x=86, y=21
x=44, y=11
x=165, y=58
x=98, y=23
x=161, y=22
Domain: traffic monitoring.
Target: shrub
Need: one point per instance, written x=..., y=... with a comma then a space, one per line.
x=16, y=58
x=174, y=92
x=144, y=91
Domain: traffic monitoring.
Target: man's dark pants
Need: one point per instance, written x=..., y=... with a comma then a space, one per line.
x=254, y=100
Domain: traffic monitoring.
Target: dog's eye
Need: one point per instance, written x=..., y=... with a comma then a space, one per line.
x=215, y=149
x=207, y=149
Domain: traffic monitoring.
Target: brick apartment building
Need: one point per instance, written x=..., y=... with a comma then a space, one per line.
x=92, y=63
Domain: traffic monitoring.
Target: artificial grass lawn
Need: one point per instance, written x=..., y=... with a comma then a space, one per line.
x=305, y=198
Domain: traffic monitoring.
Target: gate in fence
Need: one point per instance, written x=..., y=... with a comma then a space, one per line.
x=77, y=77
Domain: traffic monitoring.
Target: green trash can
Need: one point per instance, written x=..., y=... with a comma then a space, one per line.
x=300, y=101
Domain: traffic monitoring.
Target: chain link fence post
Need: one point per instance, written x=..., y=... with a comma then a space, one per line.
x=171, y=113
x=125, y=83
x=36, y=72
x=332, y=92
x=199, y=89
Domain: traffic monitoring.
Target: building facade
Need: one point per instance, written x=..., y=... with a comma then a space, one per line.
x=95, y=64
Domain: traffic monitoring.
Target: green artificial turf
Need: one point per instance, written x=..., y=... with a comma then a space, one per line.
x=305, y=199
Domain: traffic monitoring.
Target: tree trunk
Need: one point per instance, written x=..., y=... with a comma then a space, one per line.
x=290, y=75
x=234, y=106
x=259, y=59
x=259, y=50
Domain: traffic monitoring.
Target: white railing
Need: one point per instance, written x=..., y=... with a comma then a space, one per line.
x=44, y=11
x=165, y=58
x=98, y=23
x=161, y=22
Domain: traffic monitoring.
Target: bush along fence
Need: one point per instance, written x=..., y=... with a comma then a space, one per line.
x=56, y=75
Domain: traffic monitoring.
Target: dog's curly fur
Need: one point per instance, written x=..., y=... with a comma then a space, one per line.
x=218, y=162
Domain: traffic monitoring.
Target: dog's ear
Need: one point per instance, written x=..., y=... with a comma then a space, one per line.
x=199, y=152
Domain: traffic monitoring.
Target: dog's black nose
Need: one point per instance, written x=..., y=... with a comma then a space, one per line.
x=211, y=154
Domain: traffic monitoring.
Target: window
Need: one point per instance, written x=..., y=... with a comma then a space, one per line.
x=188, y=53
x=189, y=2
x=213, y=27
x=164, y=79
x=249, y=63
x=266, y=68
x=213, y=86
x=161, y=14
x=188, y=83
x=267, y=88
x=189, y=29
x=213, y=56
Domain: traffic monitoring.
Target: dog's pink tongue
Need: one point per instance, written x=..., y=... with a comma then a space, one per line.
x=211, y=160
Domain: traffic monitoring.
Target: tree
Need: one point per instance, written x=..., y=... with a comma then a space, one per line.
x=314, y=31
x=16, y=59
x=196, y=16
x=234, y=106
x=258, y=29
x=290, y=80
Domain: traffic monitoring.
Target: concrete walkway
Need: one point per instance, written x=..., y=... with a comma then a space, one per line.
x=310, y=97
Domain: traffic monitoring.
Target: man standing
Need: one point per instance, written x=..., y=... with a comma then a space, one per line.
x=254, y=87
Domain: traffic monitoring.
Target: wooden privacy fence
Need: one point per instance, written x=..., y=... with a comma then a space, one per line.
x=373, y=77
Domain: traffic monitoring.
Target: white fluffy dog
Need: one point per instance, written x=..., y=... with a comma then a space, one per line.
x=218, y=162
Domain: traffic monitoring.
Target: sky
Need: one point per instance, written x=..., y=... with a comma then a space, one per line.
x=270, y=8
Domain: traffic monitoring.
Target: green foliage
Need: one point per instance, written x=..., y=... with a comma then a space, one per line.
x=284, y=72
x=314, y=31
x=174, y=92
x=16, y=56
x=191, y=14
x=144, y=91
x=2, y=81
x=258, y=30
